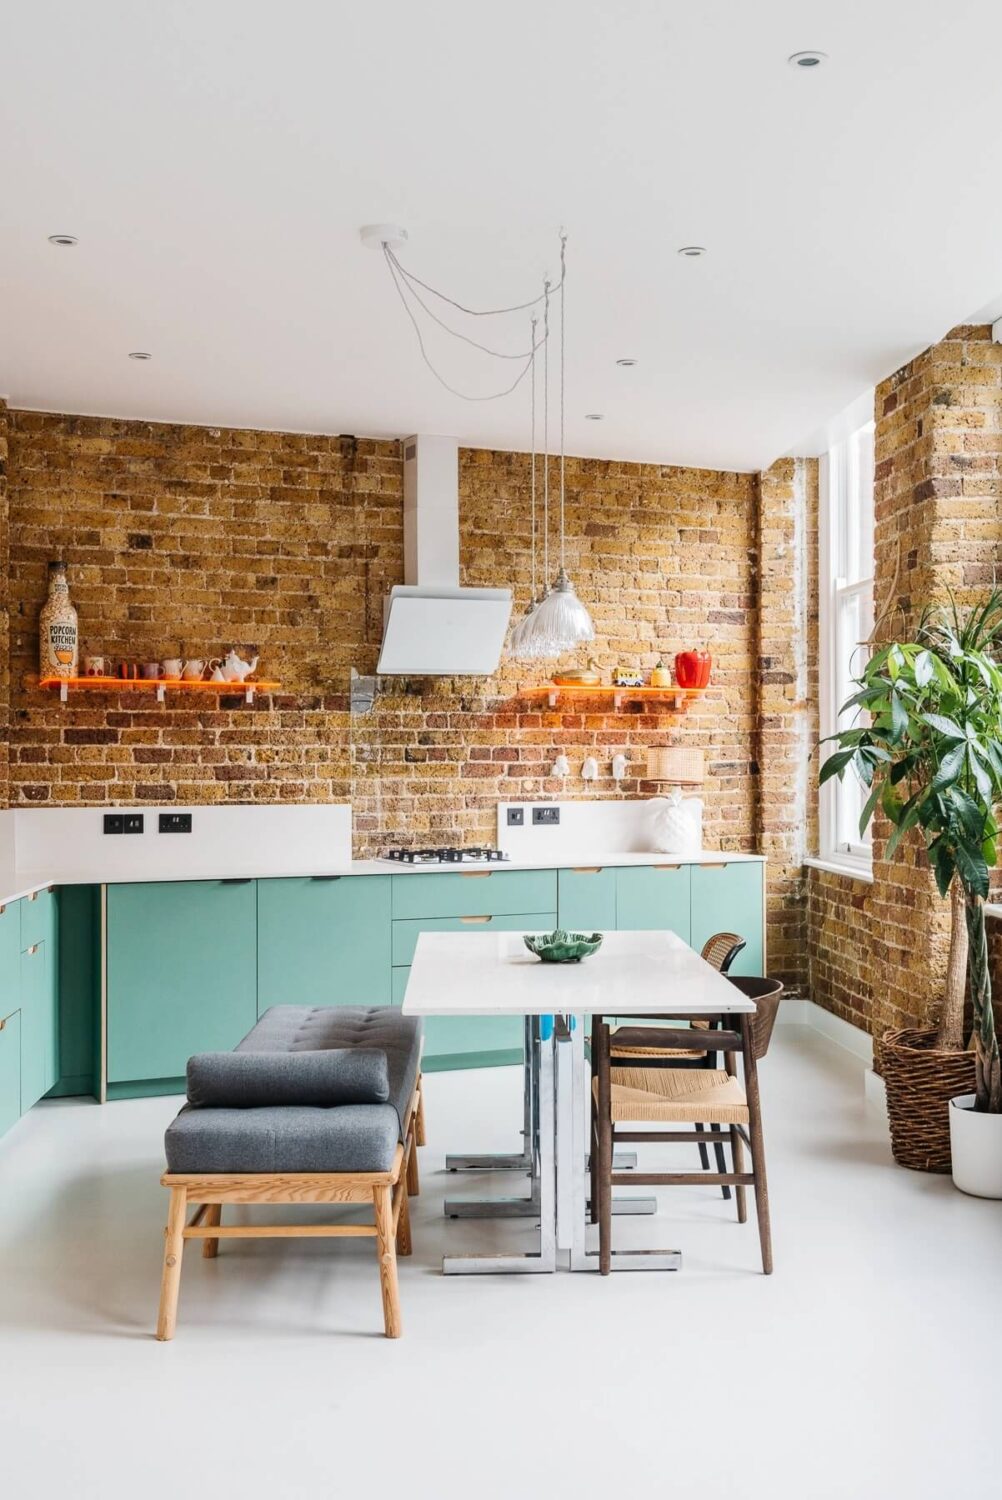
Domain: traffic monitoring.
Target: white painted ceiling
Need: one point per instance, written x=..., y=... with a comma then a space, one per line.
x=216, y=161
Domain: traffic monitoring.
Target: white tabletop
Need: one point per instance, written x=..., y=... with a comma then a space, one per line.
x=632, y=974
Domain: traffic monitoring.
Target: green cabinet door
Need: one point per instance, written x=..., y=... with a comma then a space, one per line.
x=586, y=899
x=182, y=973
x=729, y=898
x=10, y=958
x=10, y=1070
x=653, y=898
x=39, y=1059
x=37, y=918
x=471, y=893
x=323, y=942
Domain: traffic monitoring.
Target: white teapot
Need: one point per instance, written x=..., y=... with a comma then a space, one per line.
x=235, y=669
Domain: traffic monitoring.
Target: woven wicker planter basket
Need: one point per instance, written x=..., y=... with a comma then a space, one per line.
x=921, y=1080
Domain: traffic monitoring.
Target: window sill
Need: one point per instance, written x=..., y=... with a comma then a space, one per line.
x=851, y=869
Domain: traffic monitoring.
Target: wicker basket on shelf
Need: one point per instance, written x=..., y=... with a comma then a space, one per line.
x=678, y=765
x=921, y=1079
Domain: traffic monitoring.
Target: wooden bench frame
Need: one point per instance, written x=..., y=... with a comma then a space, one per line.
x=388, y=1193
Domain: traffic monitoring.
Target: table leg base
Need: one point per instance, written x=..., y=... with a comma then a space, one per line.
x=491, y=1208
x=516, y=1162
x=621, y=1205
x=495, y=1265
x=631, y=1260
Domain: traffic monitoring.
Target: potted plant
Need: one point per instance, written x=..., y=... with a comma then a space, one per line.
x=931, y=756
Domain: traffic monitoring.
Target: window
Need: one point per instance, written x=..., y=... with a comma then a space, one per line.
x=846, y=620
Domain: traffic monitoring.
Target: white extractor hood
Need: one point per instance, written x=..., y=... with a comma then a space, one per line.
x=432, y=627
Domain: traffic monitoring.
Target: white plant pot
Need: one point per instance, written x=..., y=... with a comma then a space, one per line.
x=975, y=1149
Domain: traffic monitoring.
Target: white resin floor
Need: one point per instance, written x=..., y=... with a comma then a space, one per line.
x=867, y=1366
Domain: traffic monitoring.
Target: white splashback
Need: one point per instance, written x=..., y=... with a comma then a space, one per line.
x=273, y=840
x=586, y=828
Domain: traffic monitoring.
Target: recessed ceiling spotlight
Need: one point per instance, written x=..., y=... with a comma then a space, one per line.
x=691, y=252
x=140, y=354
x=625, y=364
x=62, y=239
x=811, y=59
x=594, y=416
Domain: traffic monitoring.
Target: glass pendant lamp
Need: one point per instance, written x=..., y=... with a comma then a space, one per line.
x=559, y=622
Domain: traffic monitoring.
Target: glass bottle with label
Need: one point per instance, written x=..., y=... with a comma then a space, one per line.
x=59, y=637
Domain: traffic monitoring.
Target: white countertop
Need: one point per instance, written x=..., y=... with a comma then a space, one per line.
x=15, y=883
x=632, y=974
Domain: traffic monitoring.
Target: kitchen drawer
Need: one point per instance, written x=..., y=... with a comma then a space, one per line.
x=405, y=934
x=463, y=893
x=37, y=914
x=10, y=957
x=10, y=1070
x=729, y=898
x=653, y=898
x=587, y=899
x=323, y=941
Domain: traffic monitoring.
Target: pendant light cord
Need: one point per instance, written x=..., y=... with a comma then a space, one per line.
x=532, y=597
x=546, y=432
x=473, y=312
x=563, y=278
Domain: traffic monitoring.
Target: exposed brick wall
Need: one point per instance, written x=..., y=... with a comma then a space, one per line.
x=664, y=559
x=787, y=718
x=4, y=611
x=286, y=545
x=878, y=954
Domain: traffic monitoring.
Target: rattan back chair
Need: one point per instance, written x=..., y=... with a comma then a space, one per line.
x=653, y=1089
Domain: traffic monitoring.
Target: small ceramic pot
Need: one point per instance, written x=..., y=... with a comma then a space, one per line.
x=172, y=668
x=975, y=1149
x=151, y=670
x=93, y=666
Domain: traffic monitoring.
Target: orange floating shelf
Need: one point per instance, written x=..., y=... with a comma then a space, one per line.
x=157, y=685
x=671, y=699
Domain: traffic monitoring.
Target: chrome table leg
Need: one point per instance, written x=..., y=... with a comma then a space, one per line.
x=574, y=1114
x=543, y=1144
x=520, y=1207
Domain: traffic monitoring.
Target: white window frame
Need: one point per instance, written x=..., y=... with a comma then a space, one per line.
x=845, y=546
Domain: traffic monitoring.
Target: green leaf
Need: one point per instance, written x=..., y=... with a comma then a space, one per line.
x=943, y=725
x=943, y=865
x=867, y=812
x=923, y=668
x=890, y=802
x=835, y=765
x=973, y=869
x=949, y=767
x=899, y=717
x=908, y=820
x=981, y=777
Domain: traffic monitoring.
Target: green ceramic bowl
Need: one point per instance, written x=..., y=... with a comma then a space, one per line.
x=562, y=947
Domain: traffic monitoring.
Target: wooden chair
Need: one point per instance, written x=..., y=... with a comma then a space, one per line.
x=651, y=1088
x=719, y=951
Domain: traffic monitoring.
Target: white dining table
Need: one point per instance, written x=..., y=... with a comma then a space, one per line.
x=493, y=974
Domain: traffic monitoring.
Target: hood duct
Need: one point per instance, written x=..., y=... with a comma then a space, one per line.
x=431, y=626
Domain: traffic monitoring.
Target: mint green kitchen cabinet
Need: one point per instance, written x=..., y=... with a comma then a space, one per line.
x=729, y=898
x=10, y=957
x=472, y=893
x=586, y=899
x=653, y=898
x=323, y=941
x=39, y=1030
x=10, y=1069
x=37, y=918
x=405, y=934
x=77, y=979
x=181, y=973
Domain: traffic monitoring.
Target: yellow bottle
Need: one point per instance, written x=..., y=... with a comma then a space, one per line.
x=661, y=676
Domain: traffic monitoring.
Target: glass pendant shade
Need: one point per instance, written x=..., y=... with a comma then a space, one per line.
x=523, y=645
x=559, y=622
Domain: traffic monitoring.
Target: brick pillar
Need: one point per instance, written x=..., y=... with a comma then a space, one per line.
x=938, y=461
x=786, y=711
x=4, y=615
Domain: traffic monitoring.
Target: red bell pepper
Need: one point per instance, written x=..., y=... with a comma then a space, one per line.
x=692, y=669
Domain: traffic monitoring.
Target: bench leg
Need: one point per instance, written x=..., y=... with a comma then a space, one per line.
x=386, y=1251
x=404, y=1225
x=213, y=1214
x=413, y=1176
x=173, y=1250
x=419, y=1129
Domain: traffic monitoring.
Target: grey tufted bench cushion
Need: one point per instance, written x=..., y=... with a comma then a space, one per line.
x=307, y=1138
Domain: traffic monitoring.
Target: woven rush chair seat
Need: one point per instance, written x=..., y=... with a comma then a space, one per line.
x=684, y=1095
